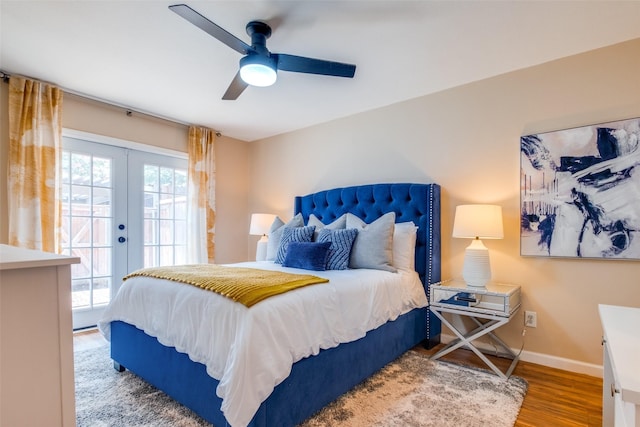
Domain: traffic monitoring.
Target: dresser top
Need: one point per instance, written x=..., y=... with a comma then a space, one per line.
x=12, y=257
x=620, y=326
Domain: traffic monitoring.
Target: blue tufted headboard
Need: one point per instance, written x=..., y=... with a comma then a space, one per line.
x=419, y=203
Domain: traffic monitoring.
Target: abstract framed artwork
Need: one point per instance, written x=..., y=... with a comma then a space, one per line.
x=580, y=192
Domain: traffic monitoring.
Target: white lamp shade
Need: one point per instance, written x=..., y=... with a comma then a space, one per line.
x=478, y=221
x=260, y=223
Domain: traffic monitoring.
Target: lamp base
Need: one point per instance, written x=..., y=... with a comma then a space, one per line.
x=261, y=249
x=477, y=267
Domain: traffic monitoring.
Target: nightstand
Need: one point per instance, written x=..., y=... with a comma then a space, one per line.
x=489, y=307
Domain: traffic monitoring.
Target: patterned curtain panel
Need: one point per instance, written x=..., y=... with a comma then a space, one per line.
x=202, y=195
x=35, y=134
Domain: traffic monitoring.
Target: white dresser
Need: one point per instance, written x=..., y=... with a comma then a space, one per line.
x=36, y=339
x=621, y=384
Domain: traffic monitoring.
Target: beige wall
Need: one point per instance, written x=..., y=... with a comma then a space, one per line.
x=467, y=140
x=231, y=162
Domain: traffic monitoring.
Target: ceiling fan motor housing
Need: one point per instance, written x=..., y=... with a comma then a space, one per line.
x=259, y=33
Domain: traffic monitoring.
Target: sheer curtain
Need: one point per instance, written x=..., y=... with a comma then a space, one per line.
x=35, y=134
x=202, y=195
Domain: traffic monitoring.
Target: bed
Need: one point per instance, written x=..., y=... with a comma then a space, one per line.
x=320, y=378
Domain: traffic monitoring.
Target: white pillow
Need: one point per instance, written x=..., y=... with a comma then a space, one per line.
x=275, y=234
x=404, y=246
x=373, y=247
x=337, y=224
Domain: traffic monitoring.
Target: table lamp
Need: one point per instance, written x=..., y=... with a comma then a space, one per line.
x=477, y=222
x=260, y=225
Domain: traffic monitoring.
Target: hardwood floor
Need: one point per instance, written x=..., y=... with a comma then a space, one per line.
x=555, y=398
x=87, y=338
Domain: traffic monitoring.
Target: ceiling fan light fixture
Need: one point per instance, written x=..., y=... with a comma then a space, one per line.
x=258, y=70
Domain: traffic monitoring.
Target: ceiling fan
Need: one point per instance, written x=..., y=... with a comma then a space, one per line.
x=259, y=66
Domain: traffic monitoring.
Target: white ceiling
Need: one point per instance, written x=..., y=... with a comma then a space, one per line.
x=141, y=55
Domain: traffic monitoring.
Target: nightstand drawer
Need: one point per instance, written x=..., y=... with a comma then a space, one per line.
x=494, y=298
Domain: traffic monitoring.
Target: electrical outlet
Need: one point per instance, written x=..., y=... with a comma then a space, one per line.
x=530, y=319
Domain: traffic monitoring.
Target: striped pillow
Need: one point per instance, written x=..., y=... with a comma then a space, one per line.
x=341, y=244
x=293, y=234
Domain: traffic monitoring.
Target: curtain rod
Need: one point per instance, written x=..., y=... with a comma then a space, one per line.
x=128, y=111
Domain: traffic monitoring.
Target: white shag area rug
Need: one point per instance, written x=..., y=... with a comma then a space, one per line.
x=411, y=391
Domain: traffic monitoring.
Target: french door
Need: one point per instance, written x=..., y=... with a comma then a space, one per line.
x=122, y=210
x=157, y=209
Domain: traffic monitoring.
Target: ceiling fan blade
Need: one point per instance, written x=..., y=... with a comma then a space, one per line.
x=209, y=27
x=300, y=64
x=236, y=87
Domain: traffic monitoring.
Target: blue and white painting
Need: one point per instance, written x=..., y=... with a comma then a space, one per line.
x=580, y=192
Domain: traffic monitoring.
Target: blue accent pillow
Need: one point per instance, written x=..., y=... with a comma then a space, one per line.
x=341, y=245
x=293, y=234
x=307, y=255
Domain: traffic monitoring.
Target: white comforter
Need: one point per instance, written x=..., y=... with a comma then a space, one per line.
x=251, y=350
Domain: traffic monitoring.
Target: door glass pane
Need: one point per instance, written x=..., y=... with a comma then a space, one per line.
x=166, y=232
x=80, y=199
x=81, y=231
x=101, y=261
x=150, y=255
x=180, y=181
x=84, y=268
x=101, y=172
x=181, y=207
x=101, y=290
x=180, y=232
x=150, y=232
x=102, y=231
x=102, y=201
x=151, y=174
x=151, y=205
x=166, y=205
x=166, y=255
x=80, y=168
x=81, y=293
x=166, y=180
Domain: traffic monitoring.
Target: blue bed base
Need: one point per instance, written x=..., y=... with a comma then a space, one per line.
x=314, y=381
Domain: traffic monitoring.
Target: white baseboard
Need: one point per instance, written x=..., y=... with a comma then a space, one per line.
x=541, y=359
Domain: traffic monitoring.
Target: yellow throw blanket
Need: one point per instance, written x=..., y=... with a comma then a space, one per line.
x=247, y=286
